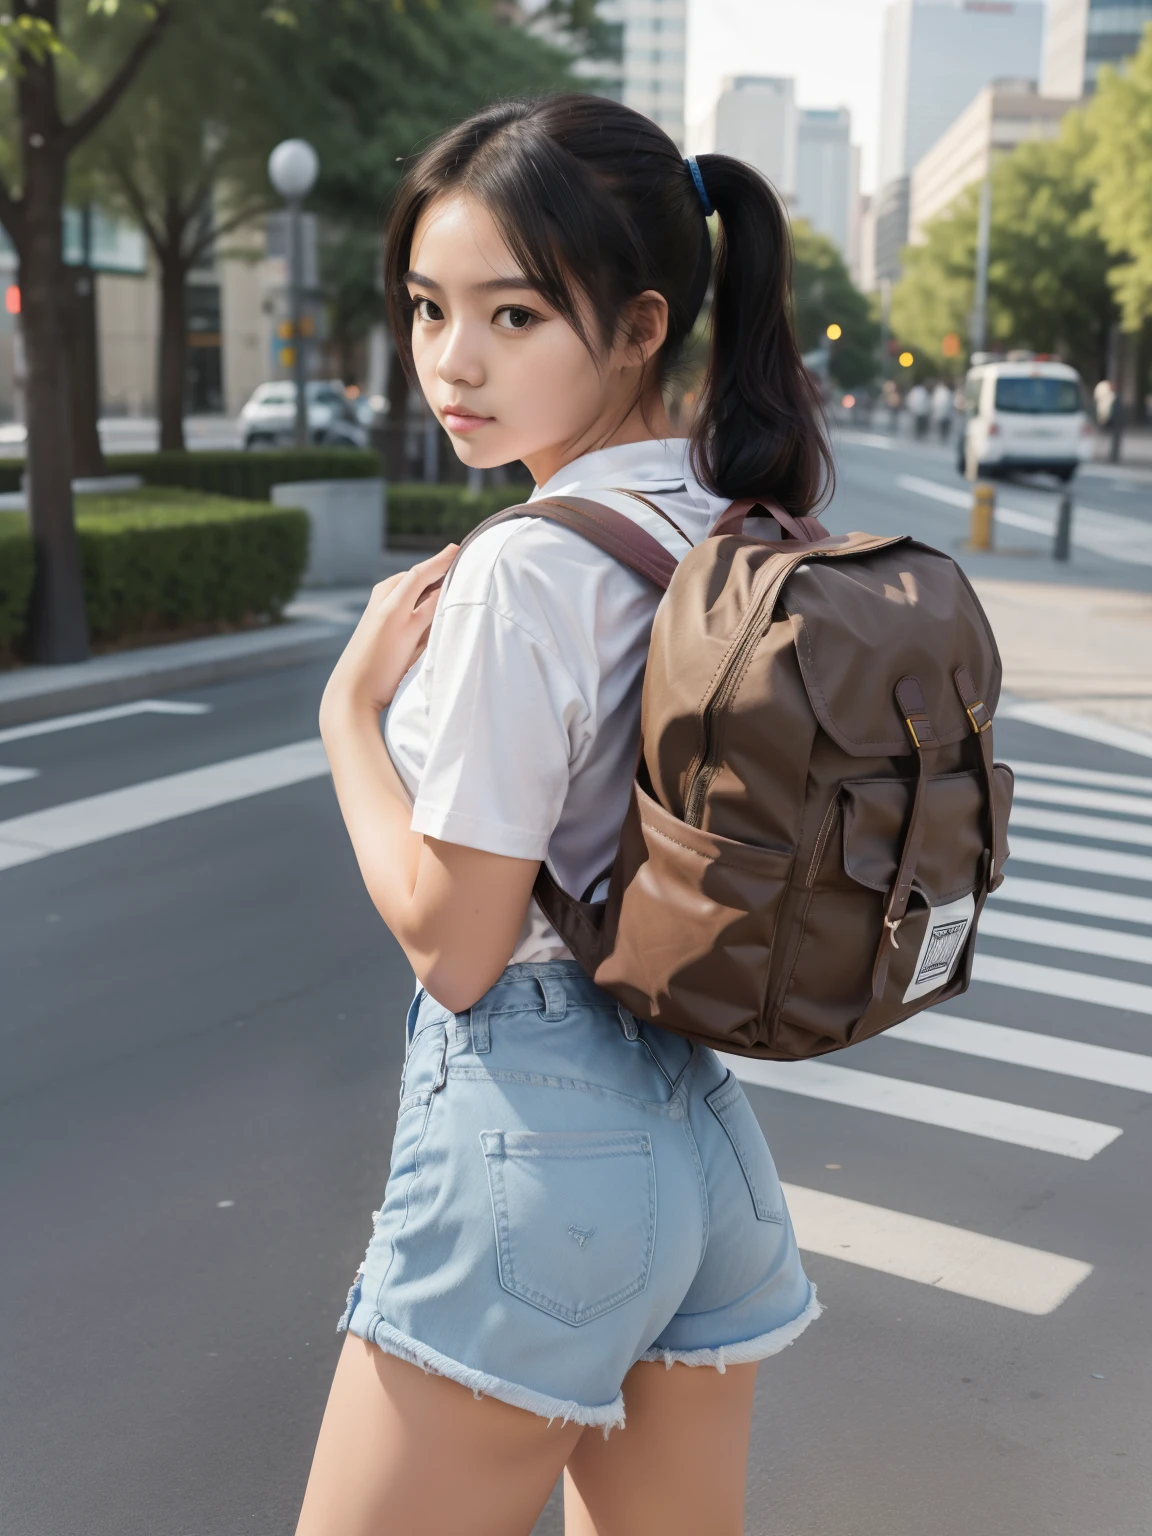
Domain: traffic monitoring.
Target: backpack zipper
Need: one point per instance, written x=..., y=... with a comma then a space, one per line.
x=708, y=763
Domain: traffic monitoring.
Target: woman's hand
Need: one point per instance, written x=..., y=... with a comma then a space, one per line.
x=391, y=634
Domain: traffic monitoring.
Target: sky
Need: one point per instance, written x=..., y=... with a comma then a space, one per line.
x=831, y=47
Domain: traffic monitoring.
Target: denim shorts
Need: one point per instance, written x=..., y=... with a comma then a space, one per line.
x=572, y=1191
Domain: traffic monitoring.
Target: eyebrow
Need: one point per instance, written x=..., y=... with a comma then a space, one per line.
x=417, y=279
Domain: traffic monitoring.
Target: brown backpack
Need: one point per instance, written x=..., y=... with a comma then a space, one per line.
x=816, y=820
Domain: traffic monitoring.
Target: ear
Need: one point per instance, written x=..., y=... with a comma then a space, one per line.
x=642, y=331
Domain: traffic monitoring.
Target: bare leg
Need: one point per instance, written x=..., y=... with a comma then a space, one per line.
x=679, y=1465
x=402, y=1453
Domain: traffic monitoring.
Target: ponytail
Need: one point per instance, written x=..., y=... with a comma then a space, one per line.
x=758, y=427
x=597, y=205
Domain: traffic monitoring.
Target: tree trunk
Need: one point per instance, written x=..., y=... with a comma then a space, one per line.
x=173, y=348
x=87, y=454
x=58, y=630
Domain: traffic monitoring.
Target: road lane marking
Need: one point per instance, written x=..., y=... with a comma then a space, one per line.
x=1073, y=986
x=1105, y=827
x=1024, y=1048
x=1019, y=890
x=1078, y=937
x=1050, y=717
x=953, y=1259
x=17, y=775
x=1089, y=861
x=1093, y=776
x=1084, y=799
x=79, y=823
x=1019, y=1124
x=865, y=439
x=98, y=716
x=1105, y=533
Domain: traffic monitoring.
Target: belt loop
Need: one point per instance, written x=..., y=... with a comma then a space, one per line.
x=555, y=998
x=628, y=1024
x=481, y=1038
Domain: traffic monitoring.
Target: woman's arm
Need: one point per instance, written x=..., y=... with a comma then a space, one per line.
x=456, y=912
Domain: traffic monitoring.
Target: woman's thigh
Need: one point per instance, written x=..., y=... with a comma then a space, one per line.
x=402, y=1453
x=679, y=1465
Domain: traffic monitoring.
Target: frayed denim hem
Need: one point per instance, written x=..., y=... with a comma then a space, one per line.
x=748, y=1350
x=393, y=1342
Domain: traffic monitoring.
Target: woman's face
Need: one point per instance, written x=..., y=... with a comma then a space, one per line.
x=507, y=377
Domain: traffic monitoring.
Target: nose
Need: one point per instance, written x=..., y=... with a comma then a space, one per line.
x=460, y=361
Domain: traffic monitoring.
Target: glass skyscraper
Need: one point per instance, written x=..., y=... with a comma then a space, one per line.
x=1084, y=34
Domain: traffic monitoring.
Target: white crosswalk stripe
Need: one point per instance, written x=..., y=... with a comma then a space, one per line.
x=1024, y=1048
x=1083, y=799
x=933, y=1253
x=17, y=775
x=1076, y=936
x=1018, y=890
x=1092, y=776
x=1107, y=828
x=1063, y=1135
x=1054, y=981
x=1090, y=861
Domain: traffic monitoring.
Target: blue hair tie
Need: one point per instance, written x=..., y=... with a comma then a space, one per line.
x=705, y=200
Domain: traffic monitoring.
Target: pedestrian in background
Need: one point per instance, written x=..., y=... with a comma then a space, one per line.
x=919, y=403
x=545, y=264
x=891, y=395
x=942, y=410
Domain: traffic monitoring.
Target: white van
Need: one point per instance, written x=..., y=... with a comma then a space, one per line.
x=1024, y=416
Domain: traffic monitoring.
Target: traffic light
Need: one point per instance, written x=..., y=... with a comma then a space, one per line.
x=12, y=299
x=950, y=346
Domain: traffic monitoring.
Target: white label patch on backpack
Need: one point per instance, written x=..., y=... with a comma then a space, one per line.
x=943, y=944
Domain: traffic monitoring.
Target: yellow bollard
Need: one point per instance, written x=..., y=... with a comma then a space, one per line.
x=983, y=515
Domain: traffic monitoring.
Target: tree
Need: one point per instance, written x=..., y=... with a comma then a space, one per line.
x=1120, y=119
x=1048, y=269
x=824, y=294
x=184, y=156
x=31, y=209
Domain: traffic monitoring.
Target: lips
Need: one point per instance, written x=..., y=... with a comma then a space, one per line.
x=458, y=418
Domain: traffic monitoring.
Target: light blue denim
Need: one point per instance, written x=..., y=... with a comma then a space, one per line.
x=572, y=1191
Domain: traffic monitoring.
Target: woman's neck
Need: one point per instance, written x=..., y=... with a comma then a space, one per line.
x=647, y=421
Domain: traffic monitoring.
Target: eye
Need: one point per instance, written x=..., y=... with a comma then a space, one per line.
x=426, y=310
x=514, y=318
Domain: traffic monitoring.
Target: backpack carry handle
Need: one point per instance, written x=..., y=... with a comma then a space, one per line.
x=805, y=530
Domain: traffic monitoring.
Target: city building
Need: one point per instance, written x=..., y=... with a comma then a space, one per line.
x=756, y=121
x=936, y=55
x=827, y=173
x=646, y=66
x=1084, y=34
x=1001, y=116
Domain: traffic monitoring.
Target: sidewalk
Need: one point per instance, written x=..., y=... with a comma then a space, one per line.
x=1087, y=649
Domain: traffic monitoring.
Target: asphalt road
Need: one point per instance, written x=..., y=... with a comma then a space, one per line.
x=200, y=1049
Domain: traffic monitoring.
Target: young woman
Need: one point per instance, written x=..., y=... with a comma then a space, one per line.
x=582, y=1230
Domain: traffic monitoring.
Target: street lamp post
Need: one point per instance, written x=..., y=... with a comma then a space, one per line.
x=292, y=168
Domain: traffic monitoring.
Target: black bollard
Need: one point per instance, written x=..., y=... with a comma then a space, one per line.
x=1063, y=545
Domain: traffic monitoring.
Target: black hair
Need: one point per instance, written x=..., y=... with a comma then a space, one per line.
x=595, y=200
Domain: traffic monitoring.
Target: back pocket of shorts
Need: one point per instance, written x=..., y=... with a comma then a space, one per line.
x=738, y=1118
x=575, y=1215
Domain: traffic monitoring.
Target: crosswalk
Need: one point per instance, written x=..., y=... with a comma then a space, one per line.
x=1094, y=820
x=1079, y=897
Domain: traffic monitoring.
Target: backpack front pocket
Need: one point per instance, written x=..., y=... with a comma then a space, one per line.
x=575, y=1217
x=690, y=923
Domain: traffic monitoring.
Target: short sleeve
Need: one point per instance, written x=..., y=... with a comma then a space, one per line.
x=504, y=717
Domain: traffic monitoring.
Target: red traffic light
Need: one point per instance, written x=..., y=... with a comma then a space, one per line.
x=12, y=299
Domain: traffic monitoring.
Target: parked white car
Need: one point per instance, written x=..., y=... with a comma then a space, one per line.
x=1026, y=416
x=268, y=419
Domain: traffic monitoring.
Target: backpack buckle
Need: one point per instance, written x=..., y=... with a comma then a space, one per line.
x=925, y=736
x=977, y=713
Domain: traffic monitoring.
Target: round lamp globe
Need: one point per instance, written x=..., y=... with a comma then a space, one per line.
x=292, y=168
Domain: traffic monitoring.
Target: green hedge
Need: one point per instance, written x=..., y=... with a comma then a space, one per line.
x=430, y=516
x=166, y=559
x=248, y=476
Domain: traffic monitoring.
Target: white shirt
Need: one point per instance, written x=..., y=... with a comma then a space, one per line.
x=941, y=402
x=517, y=730
x=919, y=401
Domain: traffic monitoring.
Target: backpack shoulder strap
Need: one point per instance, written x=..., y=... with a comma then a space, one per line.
x=610, y=531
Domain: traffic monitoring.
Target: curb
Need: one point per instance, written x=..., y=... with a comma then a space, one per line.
x=36, y=693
